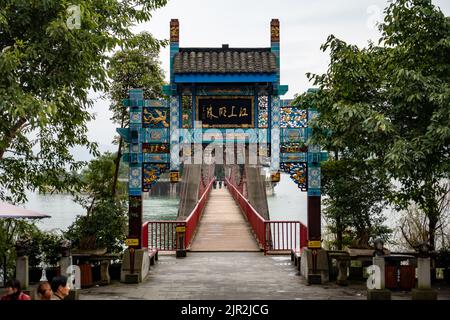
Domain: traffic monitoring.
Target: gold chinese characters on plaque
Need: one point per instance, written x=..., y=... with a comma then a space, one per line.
x=226, y=111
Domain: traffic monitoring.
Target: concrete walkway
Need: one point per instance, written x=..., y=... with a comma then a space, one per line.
x=222, y=226
x=221, y=276
x=231, y=276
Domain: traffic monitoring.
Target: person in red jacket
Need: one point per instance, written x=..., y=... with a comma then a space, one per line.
x=14, y=291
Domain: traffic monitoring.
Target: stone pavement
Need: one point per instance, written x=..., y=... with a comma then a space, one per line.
x=229, y=276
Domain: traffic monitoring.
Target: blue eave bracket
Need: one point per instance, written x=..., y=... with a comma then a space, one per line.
x=282, y=89
x=124, y=133
x=166, y=89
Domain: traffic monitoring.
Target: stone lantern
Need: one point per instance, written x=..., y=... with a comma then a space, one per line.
x=66, y=259
x=379, y=247
x=21, y=247
x=424, y=250
x=65, y=248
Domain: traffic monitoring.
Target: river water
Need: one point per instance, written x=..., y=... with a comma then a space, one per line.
x=286, y=203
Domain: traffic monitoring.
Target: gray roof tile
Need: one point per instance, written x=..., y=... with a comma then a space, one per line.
x=224, y=60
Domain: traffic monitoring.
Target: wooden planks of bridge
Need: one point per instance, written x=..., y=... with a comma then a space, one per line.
x=223, y=226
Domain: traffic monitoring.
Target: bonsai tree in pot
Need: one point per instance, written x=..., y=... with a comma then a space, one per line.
x=43, y=252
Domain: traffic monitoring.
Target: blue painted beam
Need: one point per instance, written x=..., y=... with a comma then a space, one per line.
x=293, y=135
x=146, y=157
x=294, y=157
x=233, y=77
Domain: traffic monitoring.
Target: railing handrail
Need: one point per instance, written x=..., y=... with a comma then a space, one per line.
x=254, y=210
x=284, y=221
x=159, y=221
x=205, y=192
x=260, y=226
x=243, y=198
x=193, y=219
x=185, y=221
x=262, y=238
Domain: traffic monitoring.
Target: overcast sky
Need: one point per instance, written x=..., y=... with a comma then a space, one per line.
x=304, y=26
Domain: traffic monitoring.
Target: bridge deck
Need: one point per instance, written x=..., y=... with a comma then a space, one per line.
x=222, y=226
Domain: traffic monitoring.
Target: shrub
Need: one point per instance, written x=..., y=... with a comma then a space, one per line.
x=44, y=247
x=105, y=227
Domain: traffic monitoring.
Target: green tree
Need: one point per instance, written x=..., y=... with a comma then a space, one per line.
x=137, y=67
x=353, y=182
x=44, y=247
x=104, y=225
x=355, y=199
x=97, y=180
x=388, y=105
x=12, y=230
x=416, y=35
x=46, y=70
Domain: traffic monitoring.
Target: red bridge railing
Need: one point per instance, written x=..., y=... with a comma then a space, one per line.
x=161, y=234
x=271, y=235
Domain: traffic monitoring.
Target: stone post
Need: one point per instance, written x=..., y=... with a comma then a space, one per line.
x=22, y=271
x=64, y=263
x=104, y=272
x=314, y=266
x=22, y=263
x=423, y=290
x=342, y=265
x=379, y=261
x=181, y=234
x=135, y=265
x=423, y=273
x=380, y=293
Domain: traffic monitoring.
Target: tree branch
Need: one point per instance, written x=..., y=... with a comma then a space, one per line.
x=12, y=134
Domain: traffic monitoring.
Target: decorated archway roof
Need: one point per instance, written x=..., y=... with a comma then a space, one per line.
x=224, y=60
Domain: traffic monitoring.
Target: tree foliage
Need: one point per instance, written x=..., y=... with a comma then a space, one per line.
x=354, y=204
x=97, y=179
x=46, y=70
x=104, y=225
x=387, y=105
x=413, y=224
x=136, y=67
x=44, y=247
x=12, y=230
